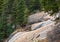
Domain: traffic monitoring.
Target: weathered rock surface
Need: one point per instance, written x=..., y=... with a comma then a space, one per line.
x=40, y=24
x=39, y=17
x=32, y=35
x=36, y=17
x=56, y=15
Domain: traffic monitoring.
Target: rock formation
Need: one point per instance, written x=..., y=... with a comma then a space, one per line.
x=36, y=17
x=30, y=36
x=41, y=23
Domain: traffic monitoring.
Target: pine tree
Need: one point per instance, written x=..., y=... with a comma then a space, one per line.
x=1, y=21
x=37, y=5
x=20, y=13
x=50, y=5
x=5, y=29
x=1, y=6
x=58, y=3
x=30, y=5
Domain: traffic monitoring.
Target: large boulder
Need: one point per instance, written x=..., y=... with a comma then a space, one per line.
x=32, y=35
x=37, y=17
x=40, y=24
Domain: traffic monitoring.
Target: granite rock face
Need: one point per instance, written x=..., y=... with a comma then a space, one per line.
x=31, y=35
x=37, y=17
x=40, y=24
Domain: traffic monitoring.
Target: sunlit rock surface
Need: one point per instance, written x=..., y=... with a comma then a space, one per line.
x=36, y=17
x=56, y=15
x=40, y=24
x=15, y=36
x=30, y=36
x=39, y=17
x=48, y=17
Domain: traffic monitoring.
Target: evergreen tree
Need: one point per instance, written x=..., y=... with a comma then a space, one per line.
x=58, y=3
x=20, y=13
x=33, y=5
x=1, y=6
x=1, y=21
x=37, y=5
x=4, y=27
x=30, y=5
x=50, y=5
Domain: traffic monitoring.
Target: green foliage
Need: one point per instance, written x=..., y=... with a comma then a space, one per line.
x=33, y=5
x=58, y=4
x=5, y=30
x=21, y=12
x=30, y=5
x=49, y=5
x=1, y=5
x=1, y=32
